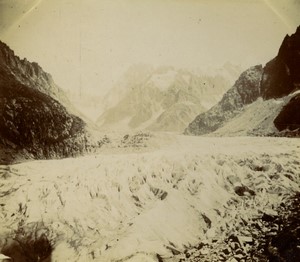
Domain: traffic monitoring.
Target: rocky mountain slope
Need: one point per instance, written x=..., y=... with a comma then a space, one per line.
x=267, y=93
x=161, y=99
x=33, y=121
x=230, y=105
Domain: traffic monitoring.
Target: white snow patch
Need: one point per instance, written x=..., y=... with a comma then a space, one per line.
x=187, y=78
x=163, y=81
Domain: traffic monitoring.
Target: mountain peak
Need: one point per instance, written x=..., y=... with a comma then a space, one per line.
x=282, y=74
x=3, y=45
x=14, y=63
x=161, y=99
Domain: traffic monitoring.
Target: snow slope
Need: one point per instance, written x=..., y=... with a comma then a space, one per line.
x=255, y=119
x=126, y=204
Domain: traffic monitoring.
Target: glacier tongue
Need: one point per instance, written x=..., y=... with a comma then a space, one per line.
x=136, y=206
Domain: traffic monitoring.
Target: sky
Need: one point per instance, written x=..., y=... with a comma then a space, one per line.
x=88, y=44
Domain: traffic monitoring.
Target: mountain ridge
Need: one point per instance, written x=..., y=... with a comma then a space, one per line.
x=30, y=73
x=36, y=118
x=277, y=84
x=160, y=99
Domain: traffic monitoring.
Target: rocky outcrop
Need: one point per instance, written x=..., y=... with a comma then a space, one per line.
x=33, y=122
x=245, y=91
x=29, y=243
x=282, y=74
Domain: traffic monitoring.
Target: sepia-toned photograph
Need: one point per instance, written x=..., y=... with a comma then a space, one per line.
x=149, y=130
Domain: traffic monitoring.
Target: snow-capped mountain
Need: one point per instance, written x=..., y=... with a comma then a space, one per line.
x=160, y=99
x=36, y=118
x=263, y=101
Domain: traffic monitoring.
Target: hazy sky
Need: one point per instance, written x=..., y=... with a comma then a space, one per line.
x=94, y=41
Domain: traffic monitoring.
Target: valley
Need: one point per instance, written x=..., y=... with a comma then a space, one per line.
x=178, y=159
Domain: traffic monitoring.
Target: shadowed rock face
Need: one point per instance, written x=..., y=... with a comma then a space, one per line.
x=244, y=91
x=29, y=243
x=282, y=74
x=32, y=121
x=289, y=117
x=282, y=77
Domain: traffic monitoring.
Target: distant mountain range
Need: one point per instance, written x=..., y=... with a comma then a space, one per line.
x=263, y=101
x=36, y=118
x=162, y=99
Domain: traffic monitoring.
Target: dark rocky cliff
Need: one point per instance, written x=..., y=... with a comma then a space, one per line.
x=289, y=117
x=281, y=78
x=33, y=121
x=282, y=74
